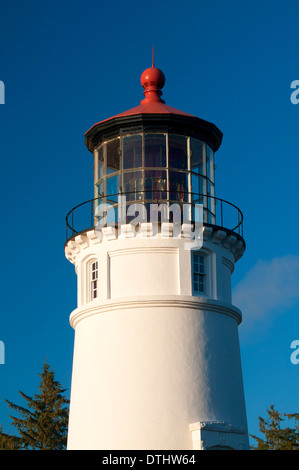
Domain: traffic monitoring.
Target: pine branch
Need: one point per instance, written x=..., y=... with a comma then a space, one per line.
x=20, y=409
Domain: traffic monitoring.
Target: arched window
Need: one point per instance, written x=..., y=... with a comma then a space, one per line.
x=94, y=280
x=198, y=273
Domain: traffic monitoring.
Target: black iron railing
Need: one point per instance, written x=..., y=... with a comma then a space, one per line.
x=216, y=211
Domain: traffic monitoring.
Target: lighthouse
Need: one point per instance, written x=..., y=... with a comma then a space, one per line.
x=156, y=362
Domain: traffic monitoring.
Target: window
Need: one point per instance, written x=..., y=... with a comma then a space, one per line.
x=113, y=188
x=154, y=150
x=94, y=280
x=132, y=151
x=178, y=186
x=155, y=185
x=113, y=156
x=197, y=156
x=198, y=273
x=132, y=184
x=101, y=162
x=177, y=151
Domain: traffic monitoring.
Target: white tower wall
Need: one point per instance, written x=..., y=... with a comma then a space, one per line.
x=155, y=367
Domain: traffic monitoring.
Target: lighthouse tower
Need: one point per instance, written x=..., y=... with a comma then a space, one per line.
x=156, y=355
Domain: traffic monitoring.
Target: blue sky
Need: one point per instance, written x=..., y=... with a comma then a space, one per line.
x=67, y=65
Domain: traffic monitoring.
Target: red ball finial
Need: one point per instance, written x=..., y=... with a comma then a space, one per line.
x=152, y=77
x=152, y=80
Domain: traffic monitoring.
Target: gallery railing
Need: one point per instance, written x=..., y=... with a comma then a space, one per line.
x=216, y=211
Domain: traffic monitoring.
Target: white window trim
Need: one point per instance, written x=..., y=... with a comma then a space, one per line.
x=93, y=284
x=203, y=259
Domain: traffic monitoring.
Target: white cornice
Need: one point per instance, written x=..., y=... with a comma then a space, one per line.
x=88, y=239
x=185, y=302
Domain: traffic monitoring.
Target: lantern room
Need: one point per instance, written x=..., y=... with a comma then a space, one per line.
x=153, y=167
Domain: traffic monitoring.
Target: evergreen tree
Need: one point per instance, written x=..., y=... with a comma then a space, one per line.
x=43, y=425
x=276, y=437
x=8, y=442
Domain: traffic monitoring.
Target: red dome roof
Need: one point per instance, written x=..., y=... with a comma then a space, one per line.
x=153, y=107
x=152, y=80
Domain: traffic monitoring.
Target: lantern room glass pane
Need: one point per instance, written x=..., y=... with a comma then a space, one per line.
x=113, y=156
x=155, y=184
x=100, y=189
x=177, y=152
x=132, y=186
x=113, y=188
x=196, y=160
x=132, y=151
x=210, y=164
x=197, y=184
x=178, y=186
x=101, y=162
x=154, y=150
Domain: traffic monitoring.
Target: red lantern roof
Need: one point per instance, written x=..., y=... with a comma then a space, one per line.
x=152, y=80
x=152, y=109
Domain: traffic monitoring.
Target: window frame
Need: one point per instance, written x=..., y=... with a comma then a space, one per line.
x=93, y=280
x=202, y=263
